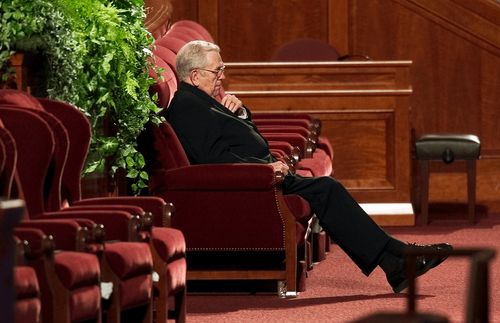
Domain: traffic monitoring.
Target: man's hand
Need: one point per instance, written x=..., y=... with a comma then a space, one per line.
x=231, y=102
x=280, y=166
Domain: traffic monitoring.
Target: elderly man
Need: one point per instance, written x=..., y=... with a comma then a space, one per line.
x=222, y=132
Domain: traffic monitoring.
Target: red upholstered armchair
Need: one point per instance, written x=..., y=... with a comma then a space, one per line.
x=28, y=301
x=71, y=130
x=237, y=223
x=20, y=292
x=167, y=244
x=183, y=25
x=127, y=265
x=69, y=281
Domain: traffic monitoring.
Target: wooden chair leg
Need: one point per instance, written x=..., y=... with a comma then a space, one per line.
x=180, y=306
x=424, y=191
x=471, y=188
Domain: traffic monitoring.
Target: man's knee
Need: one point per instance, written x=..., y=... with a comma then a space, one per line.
x=329, y=181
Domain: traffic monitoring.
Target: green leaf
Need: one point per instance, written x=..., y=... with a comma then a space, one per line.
x=130, y=161
x=144, y=175
x=133, y=173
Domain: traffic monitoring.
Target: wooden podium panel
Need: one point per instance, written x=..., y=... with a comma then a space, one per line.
x=364, y=109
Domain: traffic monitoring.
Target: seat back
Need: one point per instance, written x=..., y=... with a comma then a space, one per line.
x=172, y=43
x=3, y=160
x=10, y=160
x=190, y=33
x=180, y=34
x=158, y=16
x=167, y=142
x=79, y=133
x=162, y=150
x=34, y=156
x=52, y=186
x=19, y=98
x=165, y=86
x=194, y=26
x=166, y=55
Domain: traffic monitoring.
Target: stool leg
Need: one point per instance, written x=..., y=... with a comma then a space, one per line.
x=471, y=188
x=424, y=191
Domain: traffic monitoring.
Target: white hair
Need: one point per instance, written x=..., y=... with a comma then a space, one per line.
x=193, y=55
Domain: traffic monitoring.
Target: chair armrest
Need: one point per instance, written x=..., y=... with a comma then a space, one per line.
x=288, y=129
x=153, y=205
x=67, y=234
x=292, y=152
x=261, y=121
x=38, y=243
x=313, y=122
x=306, y=146
x=222, y=177
x=142, y=221
x=232, y=217
x=118, y=225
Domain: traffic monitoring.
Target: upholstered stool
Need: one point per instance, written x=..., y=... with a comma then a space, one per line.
x=447, y=147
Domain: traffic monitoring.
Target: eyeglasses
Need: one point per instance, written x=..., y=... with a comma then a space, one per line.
x=218, y=72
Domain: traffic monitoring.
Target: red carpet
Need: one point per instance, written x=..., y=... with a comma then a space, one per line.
x=338, y=292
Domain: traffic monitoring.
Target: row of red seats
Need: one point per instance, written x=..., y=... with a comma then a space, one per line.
x=44, y=145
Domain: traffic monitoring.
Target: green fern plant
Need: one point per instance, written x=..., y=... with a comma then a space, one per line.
x=97, y=59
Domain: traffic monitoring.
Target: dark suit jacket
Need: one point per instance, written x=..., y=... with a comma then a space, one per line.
x=210, y=133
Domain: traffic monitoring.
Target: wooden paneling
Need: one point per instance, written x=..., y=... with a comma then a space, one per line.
x=454, y=46
x=250, y=30
x=455, y=49
x=184, y=9
x=363, y=107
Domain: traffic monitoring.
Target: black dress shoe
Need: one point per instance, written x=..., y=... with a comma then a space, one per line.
x=399, y=280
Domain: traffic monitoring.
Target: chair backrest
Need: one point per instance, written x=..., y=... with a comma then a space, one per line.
x=165, y=86
x=79, y=133
x=19, y=98
x=305, y=49
x=172, y=43
x=171, y=154
x=3, y=160
x=194, y=26
x=158, y=16
x=162, y=150
x=52, y=187
x=35, y=146
x=9, y=161
x=191, y=34
x=180, y=34
x=167, y=55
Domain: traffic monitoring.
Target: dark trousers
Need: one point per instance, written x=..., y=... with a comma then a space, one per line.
x=342, y=218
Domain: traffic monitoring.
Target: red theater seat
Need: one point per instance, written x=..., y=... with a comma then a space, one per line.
x=78, y=131
x=69, y=282
x=127, y=265
x=239, y=209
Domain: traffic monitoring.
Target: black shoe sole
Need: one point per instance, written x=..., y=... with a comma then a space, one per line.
x=434, y=262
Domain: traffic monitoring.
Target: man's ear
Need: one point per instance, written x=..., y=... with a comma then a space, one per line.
x=194, y=77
